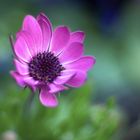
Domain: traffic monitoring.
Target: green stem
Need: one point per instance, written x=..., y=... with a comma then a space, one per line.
x=28, y=104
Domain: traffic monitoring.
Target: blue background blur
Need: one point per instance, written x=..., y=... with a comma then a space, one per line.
x=112, y=30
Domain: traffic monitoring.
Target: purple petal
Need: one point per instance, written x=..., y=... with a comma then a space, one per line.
x=84, y=63
x=31, y=25
x=24, y=80
x=46, y=28
x=77, y=36
x=56, y=88
x=21, y=68
x=47, y=99
x=21, y=49
x=65, y=77
x=29, y=41
x=71, y=53
x=60, y=39
x=18, y=78
x=78, y=80
x=30, y=81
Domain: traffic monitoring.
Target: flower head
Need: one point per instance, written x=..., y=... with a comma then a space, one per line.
x=50, y=61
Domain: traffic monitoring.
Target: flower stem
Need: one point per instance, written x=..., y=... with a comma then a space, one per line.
x=28, y=104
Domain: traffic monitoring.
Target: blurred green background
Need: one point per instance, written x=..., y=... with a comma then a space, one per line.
x=107, y=107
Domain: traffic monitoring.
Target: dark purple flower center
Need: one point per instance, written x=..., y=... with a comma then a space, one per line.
x=45, y=67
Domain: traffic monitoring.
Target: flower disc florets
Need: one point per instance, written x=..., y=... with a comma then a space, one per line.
x=45, y=67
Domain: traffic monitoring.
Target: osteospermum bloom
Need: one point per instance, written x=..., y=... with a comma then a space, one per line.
x=49, y=61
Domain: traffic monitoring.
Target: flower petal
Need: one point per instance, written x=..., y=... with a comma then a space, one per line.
x=65, y=77
x=46, y=28
x=29, y=81
x=77, y=80
x=31, y=25
x=29, y=41
x=84, y=63
x=71, y=53
x=18, y=78
x=60, y=39
x=47, y=99
x=77, y=36
x=56, y=88
x=23, y=80
x=21, y=49
x=21, y=68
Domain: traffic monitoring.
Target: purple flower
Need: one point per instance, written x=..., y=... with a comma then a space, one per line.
x=50, y=61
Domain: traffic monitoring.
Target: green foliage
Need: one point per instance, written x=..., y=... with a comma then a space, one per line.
x=74, y=119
